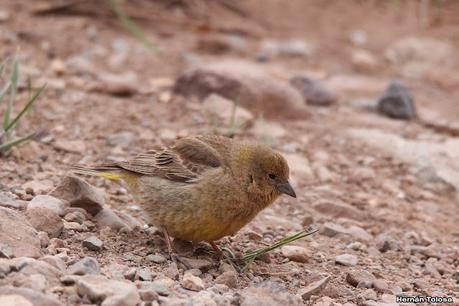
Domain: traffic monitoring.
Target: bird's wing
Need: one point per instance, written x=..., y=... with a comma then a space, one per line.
x=184, y=162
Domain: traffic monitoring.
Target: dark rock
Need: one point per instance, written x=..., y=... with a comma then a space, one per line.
x=397, y=102
x=80, y=194
x=314, y=92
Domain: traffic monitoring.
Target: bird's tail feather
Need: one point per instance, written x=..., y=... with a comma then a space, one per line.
x=108, y=172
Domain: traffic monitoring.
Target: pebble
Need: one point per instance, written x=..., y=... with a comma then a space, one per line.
x=368, y=294
x=70, y=146
x=54, y=261
x=144, y=275
x=381, y=286
x=121, y=139
x=80, y=194
x=73, y=226
x=162, y=286
x=397, y=102
x=148, y=295
x=107, y=292
x=43, y=219
x=14, y=300
x=247, y=83
x=49, y=202
x=35, y=297
x=195, y=263
x=363, y=61
x=295, y=253
x=314, y=288
x=172, y=271
x=9, y=201
x=338, y=209
x=192, y=282
x=268, y=293
x=122, y=85
x=360, y=278
x=108, y=218
x=86, y=266
x=228, y=278
x=386, y=243
x=346, y=260
x=220, y=107
x=156, y=258
x=314, y=92
x=93, y=243
x=14, y=225
x=75, y=216
x=38, y=187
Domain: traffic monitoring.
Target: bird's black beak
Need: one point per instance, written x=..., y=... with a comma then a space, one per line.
x=287, y=189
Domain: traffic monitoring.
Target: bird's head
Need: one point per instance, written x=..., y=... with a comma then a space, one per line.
x=268, y=174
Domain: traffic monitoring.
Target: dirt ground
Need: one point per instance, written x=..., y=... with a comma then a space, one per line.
x=381, y=190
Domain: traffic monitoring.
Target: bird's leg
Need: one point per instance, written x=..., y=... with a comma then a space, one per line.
x=168, y=241
x=215, y=247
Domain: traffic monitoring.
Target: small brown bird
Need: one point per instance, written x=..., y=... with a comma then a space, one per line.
x=203, y=188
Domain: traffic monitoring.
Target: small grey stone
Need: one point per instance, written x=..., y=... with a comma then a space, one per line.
x=314, y=92
x=85, y=266
x=93, y=243
x=397, y=101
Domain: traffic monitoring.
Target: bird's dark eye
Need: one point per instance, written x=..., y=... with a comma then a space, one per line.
x=272, y=176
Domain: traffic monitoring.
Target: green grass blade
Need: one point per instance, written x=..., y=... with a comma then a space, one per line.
x=13, y=88
x=4, y=90
x=250, y=256
x=131, y=26
x=24, y=110
x=8, y=145
x=2, y=66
